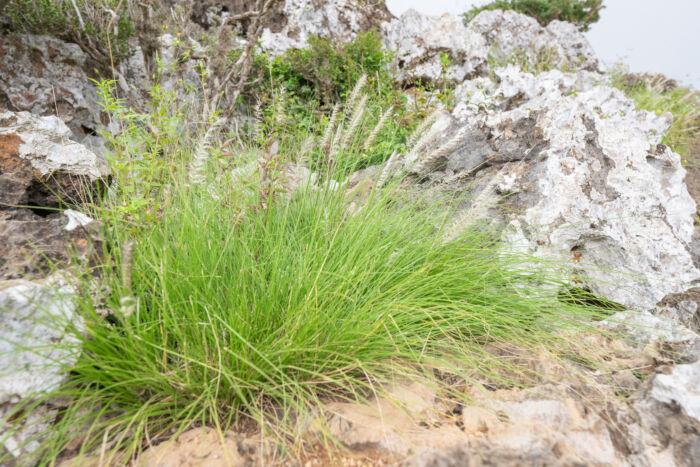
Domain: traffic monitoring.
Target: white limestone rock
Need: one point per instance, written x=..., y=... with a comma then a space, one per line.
x=340, y=20
x=508, y=33
x=36, y=347
x=588, y=183
x=46, y=76
x=177, y=75
x=681, y=386
x=34, y=343
x=418, y=41
x=76, y=219
x=46, y=143
x=646, y=328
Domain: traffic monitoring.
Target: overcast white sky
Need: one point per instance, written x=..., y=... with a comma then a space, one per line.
x=648, y=35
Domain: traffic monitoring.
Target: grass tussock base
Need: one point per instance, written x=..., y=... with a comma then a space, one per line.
x=244, y=302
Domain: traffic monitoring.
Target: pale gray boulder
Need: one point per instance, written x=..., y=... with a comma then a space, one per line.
x=36, y=347
x=419, y=40
x=575, y=173
x=47, y=76
x=340, y=20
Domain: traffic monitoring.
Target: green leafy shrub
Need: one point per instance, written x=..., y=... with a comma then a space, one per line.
x=332, y=68
x=101, y=27
x=582, y=13
x=305, y=84
x=241, y=300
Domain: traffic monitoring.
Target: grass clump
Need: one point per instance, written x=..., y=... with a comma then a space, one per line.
x=582, y=13
x=660, y=95
x=247, y=297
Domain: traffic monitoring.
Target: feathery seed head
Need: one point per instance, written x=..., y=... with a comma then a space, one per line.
x=378, y=128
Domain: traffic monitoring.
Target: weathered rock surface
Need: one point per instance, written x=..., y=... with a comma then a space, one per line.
x=40, y=166
x=419, y=40
x=684, y=306
x=31, y=244
x=340, y=20
x=45, y=142
x=34, y=315
x=46, y=76
x=577, y=174
x=585, y=417
x=178, y=75
x=680, y=386
x=40, y=169
x=578, y=418
x=509, y=33
x=34, y=345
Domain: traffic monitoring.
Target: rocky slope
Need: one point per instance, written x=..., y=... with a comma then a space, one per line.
x=562, y=162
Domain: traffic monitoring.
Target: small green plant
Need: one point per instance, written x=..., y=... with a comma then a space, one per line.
x=582, y=13
x=333, y=68
x=544, y=60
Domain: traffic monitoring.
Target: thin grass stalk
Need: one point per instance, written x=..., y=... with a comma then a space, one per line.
x=421, y=128
x=202, y=153
x=127, y=301
x=442, y=152
x=477, y=211
x=279, y=117
x=355, y=94
x=354, y=123
x=377, y=129
x=388, y=169
x=335, y=144
x=328, y=133
x=257, y=122
x=426, y=140
x=306, y=147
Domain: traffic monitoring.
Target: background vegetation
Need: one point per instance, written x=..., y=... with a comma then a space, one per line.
x=582, y=13
x=96, y=25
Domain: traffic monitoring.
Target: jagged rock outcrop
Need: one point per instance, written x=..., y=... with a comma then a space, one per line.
x=493, y=36
x=575, y=173
x=340, y=20
x=418, y=40
x=47, y=76
x=41, y=167
x=560, y=43
x=35, y=345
